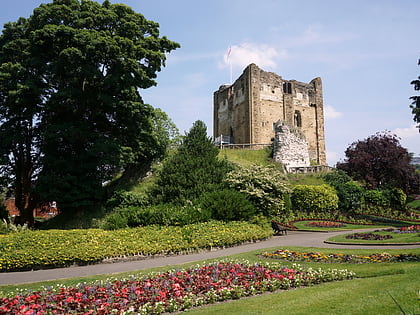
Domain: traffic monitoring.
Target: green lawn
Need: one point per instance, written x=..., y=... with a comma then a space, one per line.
x=369, y=293
x=358, y=296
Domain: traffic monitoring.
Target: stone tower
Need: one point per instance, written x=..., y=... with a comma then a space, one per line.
x=248, y=110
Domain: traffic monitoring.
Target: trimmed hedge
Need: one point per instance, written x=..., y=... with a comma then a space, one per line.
x=53, y=248
x=317, y=198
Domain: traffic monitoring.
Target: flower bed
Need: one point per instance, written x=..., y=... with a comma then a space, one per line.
x=335, y=216
x=325, y=224
x=402, y=230
x=288, y=255
x=168, y=292
x=368, y=237
x=54, y=248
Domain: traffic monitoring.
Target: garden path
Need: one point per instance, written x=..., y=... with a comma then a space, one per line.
x=294, y=238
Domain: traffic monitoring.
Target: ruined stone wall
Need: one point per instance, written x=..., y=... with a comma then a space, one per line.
x=248, y=109
x=231, y=111
x=290, y=146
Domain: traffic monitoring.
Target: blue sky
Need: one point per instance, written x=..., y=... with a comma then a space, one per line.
x=365, y=51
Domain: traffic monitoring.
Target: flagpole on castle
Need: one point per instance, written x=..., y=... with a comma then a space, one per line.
x=230, y=63
x=231, y=81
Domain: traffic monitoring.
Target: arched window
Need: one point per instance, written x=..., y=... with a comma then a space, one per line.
x=298, y=119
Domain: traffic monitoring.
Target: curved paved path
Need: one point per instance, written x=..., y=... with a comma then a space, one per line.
x=294, y=238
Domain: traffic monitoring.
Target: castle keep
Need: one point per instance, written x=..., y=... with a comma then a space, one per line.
x=250, y=110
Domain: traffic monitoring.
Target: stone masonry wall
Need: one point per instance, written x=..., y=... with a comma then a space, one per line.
x=290, y=146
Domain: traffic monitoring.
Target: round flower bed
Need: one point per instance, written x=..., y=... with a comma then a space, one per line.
x=325, y=224
x=284, y=254
x=368, y=237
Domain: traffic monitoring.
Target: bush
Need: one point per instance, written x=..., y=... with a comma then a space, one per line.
x=115, y=220
x=124, y=199
x=376, y=198
x=318, y=198
x=264, y=186
x=227, y=205
x=350, y=196
x=396, y=196
x=336, y=178
x=161, y=214
x=350, y=193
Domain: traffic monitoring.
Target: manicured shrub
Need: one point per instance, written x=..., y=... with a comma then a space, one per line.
x=350, y=196
x=376, y=198
x=318, y=198
x=265, y=187
x=350, y=193
x=227, y=205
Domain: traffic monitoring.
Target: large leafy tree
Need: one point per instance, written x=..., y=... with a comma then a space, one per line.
x=193, y=169
x=71, y=115
x=380, y=162
x=415, y=105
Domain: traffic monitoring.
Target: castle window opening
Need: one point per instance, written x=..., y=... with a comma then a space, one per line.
x=287, y=87
x=298, y=119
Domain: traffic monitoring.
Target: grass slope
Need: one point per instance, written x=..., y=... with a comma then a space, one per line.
x=246, y=157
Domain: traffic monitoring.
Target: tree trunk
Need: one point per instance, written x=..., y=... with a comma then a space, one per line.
x=24, y=200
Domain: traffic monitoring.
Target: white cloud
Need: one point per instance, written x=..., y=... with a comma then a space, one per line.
x=331, y=113
x=265, y=56
x=405, y=133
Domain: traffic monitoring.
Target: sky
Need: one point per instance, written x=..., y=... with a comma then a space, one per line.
x=365, y=51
